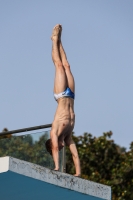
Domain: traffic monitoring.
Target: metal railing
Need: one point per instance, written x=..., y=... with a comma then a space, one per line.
x=25, y=129
x=5, y=134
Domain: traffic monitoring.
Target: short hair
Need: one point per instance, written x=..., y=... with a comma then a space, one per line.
x=48, y=146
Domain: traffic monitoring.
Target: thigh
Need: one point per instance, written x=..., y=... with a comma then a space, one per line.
x=60, y=82
x=70, y=79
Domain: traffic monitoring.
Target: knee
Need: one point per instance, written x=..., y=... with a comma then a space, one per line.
x=58, y=64
x=66, y=66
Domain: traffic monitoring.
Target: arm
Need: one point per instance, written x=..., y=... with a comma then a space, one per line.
x=75, y=155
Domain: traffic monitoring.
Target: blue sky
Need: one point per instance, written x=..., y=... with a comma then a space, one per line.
x=97, y=37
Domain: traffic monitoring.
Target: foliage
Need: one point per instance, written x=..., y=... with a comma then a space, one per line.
x=102, y=160
x=5, y=136
x=105, y=162
x=24, y=148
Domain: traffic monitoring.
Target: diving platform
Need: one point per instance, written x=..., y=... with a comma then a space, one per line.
x=22, y=180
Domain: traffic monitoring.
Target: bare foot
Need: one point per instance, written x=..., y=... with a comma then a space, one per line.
x=56, y=34
x=77, y=175
x=56, y=169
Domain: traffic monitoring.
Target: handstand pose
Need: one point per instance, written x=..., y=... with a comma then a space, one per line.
x=64, y=88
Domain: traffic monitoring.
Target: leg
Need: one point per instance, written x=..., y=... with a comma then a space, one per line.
x=70, y=78
x=60, y=85
x=69, y=142
x=71, y=84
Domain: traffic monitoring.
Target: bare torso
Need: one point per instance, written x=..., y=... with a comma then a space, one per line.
x=64, y=117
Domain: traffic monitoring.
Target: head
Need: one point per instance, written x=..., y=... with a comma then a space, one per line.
x=48, y=145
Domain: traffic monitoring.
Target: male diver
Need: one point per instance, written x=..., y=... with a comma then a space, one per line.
x=64, y=94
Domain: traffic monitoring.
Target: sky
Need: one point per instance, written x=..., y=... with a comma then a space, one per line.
x=98, y=40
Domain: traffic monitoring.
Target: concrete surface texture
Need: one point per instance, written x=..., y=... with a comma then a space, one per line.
x=23, y=180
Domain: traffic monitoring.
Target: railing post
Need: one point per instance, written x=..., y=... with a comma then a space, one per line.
x=63, y=166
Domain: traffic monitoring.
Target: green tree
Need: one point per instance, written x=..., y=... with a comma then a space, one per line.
x=105, y=162
x=102, y=160
x=24, y=148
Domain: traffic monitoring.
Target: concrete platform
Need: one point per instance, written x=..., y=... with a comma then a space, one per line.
x=20, y=180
